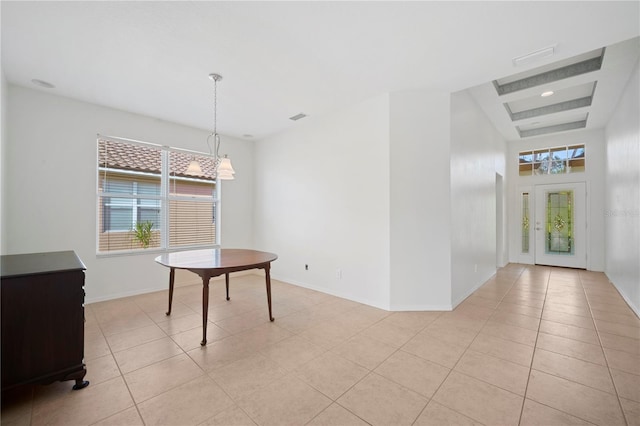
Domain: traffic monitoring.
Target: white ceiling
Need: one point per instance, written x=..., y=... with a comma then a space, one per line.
x=282, y=58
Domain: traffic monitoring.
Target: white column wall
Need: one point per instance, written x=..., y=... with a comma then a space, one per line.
x=622, y=202
x=322, y=200
x=50, y=193
x=478, y=152
x=420, y=217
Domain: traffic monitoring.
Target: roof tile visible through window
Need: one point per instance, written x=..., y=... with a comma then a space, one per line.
x=139, y=158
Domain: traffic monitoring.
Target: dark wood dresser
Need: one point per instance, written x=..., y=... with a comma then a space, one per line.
x=42, y=319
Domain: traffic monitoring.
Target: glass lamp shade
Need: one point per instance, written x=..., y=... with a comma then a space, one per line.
x=194, y=169
x=225, y=169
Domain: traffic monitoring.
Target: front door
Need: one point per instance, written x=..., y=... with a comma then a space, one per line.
x=560, y=225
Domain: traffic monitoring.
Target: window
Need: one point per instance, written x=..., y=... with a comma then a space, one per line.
x=551, y=161
x=144, y=192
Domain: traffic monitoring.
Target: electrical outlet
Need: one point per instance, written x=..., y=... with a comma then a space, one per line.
x=339, y=273
x=475, y=268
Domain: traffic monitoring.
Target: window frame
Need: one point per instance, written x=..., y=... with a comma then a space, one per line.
x=164, y=197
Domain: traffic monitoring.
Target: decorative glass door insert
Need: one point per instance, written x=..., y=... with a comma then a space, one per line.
x=559, y=222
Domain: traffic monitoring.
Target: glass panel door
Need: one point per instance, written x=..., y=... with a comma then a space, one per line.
x=560, y=227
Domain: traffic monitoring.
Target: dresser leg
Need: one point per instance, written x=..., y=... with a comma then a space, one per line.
x=80, y=384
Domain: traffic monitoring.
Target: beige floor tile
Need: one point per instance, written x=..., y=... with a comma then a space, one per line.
x=481, y=401
x=244, y=321
x=618, y=329
x=504, y=374
x=191, y=339
x=447, y=332
x=89, y=405
x=569, y=331
x=288, y=398
x=174, y=325
x=331, y=374
x=101, y=369
x=128, y=417
x=414, y=321
x=189, y=404
x=581, y=401
x=380, y=401
x=627, y=384
x=510, y=332
x=503, y=349
x=336, y=415
x=517, y=320
x=328, y=334
x=519, y=309
x=364, y=351
x=482, y=301
x=627, y=319
x=620, y=343
x=157, y=378
x=178, y=309
x=569, y=319
x=140, y=356
x=432, y=349
x=95, y=346
x=414, y=373
x=582, y=311
x=247, y=375
x=587, y=373
x=388, y=333
x=572, y=348
x=292, y=352
x=631, y=411
x=120, y=325
x=438, y=415
x=522, y=300
x=220, y=353
x=474, y=312
x=535, y=414
x=128, y=339
x=230, y=417
x=624, y=361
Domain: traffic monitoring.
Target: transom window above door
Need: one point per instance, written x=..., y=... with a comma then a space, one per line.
x=552, y=161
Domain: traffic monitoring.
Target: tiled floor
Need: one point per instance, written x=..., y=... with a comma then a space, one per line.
x=532, y=346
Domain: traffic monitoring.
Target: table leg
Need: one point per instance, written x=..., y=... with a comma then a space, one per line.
x=205, y=308
x=172, y=275
x=268, y=279
x=226, y=281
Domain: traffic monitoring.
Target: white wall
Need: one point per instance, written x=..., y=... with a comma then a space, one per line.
x=478, y=152
x=622, y=202
x=3, y=158
x=322, y=199
x=50, y=193
x=420, y=201
x=593, y=177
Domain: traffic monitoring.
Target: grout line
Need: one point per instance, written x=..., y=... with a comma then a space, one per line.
x=526, y=388
x=604, y=354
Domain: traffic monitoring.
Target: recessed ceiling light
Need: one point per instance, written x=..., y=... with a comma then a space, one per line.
x=547, y=93
x=43, y=83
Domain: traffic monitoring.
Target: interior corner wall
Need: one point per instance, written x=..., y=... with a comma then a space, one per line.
x=478, y=153
x=622, y=200
x=420, y=215
x=322, y=200
x=50, y=190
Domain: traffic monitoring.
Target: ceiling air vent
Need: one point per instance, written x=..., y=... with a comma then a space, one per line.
x=298, y=116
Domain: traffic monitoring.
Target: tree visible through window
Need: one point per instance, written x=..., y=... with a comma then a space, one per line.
x=145, y=187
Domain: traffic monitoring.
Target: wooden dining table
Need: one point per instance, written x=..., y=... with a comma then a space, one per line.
x=210, y=263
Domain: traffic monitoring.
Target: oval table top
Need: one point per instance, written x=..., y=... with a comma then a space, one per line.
x=208, y=259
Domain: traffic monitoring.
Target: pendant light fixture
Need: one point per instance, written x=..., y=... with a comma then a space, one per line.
x=222, y=167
